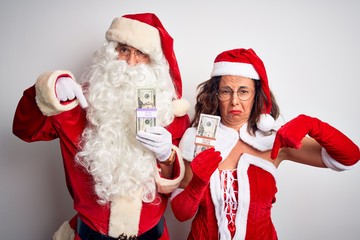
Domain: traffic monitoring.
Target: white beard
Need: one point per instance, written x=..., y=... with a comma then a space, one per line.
x=119, y=164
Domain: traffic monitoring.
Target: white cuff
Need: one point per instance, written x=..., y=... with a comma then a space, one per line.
x=332, y=163
x=45, y=94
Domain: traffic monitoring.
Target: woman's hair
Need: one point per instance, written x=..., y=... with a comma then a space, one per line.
x=208, y=103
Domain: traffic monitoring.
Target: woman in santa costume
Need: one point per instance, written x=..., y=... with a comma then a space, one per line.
x=119, y=178
x=230, y=188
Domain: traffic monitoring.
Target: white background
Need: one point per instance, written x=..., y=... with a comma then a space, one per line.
x=312, y=55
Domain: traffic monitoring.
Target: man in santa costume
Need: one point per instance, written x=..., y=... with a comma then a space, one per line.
x=118, y=177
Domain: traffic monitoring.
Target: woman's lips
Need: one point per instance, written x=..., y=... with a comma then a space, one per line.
x=235, y=112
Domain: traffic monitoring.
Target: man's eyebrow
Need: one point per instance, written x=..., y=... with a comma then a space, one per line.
x=122, y=45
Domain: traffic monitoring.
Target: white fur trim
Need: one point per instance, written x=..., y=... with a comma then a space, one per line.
x=217, y=196
x=261, y=163
x=332, y=163
x=244, y=202
x=180, y=107
x=136, y=34
x=125, y=215
x=187, y=144
x=65, y=232
x=235, y=69
x=46, y=98
x=168, y=185
x=260, y=141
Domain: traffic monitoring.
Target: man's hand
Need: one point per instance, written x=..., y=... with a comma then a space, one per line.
x=67, y=89
x=157, y=140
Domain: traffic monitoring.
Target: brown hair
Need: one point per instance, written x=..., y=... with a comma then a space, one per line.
x=208, y=103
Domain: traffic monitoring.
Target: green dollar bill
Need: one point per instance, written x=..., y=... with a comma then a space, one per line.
x=206, y=132
x=146, y=112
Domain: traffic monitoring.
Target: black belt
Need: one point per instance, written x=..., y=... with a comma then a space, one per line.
x=86, y=233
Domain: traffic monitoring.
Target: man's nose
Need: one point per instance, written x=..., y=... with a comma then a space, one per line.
x=132, y=60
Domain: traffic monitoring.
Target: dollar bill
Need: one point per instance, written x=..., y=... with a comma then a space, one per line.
x=146, y=98
x=146, y=112
x=206, y=132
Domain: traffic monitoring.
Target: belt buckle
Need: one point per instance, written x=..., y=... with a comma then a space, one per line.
x=123, y=236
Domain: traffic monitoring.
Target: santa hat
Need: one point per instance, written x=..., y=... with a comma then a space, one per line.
x=245, y=63
x=145, y=32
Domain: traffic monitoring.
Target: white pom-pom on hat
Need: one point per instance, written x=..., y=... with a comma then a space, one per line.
x=180, y=107
x=266, y=122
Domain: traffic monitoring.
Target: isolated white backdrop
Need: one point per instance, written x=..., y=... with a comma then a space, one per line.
x=312, y=54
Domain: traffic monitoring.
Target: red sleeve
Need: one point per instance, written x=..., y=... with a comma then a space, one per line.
x=29, y=123
x=178, y=127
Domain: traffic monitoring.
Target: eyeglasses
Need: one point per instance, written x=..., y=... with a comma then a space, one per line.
x=225, y=94
x=125, y=52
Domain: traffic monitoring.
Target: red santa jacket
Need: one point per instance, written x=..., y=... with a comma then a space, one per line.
x=30, y=125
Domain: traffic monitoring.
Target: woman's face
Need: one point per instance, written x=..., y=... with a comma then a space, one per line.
x=236, y=99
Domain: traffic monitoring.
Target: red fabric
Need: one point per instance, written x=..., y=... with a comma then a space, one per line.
x=262, y=196
x=204, y=225
x=337, y=145
x=178, y=127
x=259, y=224
x=185, y=204
x=205, y=163
x=31, y=125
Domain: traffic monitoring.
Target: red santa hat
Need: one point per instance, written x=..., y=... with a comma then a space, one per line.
x=245, y=63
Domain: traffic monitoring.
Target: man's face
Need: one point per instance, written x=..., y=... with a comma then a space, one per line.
x=132, y=55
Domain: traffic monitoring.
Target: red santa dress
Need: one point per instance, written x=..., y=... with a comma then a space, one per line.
x=237, y=204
